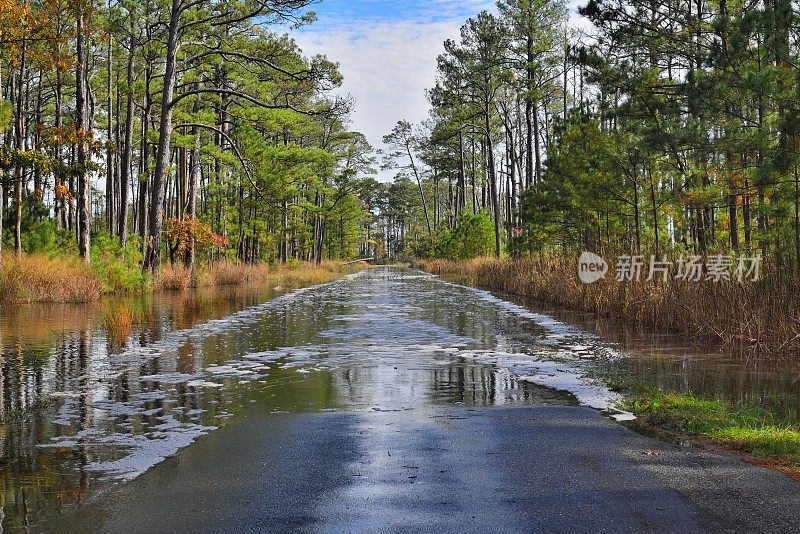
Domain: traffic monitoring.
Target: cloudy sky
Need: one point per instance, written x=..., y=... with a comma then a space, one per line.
x=387, y=53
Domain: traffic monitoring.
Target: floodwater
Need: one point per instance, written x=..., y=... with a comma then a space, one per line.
x=739, y=375
x=93, y=396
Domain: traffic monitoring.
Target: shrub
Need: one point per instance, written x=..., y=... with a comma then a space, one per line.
x=119, y=269
x=473, y=237
x=48, y=238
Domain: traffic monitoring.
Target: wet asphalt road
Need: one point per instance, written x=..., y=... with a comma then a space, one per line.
x=432, y=432
x=455, y=469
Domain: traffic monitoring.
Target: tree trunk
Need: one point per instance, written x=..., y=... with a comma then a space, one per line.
x=19, y=131
x=284, y=244
x=421, y=191
x=194, y=180
x=110, y=194
x=127, y=154
x=461, y=193
x=538, y=158
x=472, y=179
x=529, y=142
x=153, y=257
x=60, y=209
x=492, y=181
x=655, y=208
x=746, y=220
x=796, y=217
x=82, y=122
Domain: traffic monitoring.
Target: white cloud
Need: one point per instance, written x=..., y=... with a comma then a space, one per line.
x=387, y=66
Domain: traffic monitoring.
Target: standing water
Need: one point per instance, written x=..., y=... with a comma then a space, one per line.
x=93, y=396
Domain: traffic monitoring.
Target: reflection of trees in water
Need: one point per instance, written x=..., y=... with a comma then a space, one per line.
x=773, y=384
x=28, y=474
x=480, y=385
x=66, y=349
x=388, y=384
x=84, y=449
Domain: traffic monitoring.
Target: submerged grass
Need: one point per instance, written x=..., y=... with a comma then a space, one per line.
x=749, y=429
x=765, y=315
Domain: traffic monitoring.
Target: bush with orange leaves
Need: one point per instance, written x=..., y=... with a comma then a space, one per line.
x=187, y=234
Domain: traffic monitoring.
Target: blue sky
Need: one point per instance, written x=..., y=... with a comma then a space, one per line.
x=431, y=11
x=387, y=53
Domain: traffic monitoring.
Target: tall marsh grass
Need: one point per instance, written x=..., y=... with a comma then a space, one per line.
x=176, y=278
x=38, y=278
x=61, y=279
x=765, y=314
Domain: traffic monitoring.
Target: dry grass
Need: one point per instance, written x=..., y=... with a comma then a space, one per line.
x=764, y=314
x=38, y=278
x=177, y=278
x=236, y=274
x=172, y=278
x=305, y=274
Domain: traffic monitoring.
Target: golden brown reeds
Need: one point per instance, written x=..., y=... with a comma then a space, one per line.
x=764, y=313
x=172, y=278
x=176, y=277
x=38, y=278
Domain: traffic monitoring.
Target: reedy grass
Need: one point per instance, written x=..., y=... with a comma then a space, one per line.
x=764, y=314
x=65, y=279
x=176, y=277
x=38, y=278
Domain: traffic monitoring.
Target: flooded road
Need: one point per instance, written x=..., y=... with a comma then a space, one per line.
x=315, y=387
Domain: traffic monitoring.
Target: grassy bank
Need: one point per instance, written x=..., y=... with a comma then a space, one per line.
x=764, y=314
x=63, y=278
x=177, y=277
x=752, y=430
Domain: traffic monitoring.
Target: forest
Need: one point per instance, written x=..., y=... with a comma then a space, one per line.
x=660, y=128
x=162, y=130
x=156, y=131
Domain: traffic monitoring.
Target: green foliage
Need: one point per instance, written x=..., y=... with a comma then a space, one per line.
x=6, y=115
x=48, y=238
x=752, y=429
x=119, y=269
x=585, y=179
x=473, y=237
